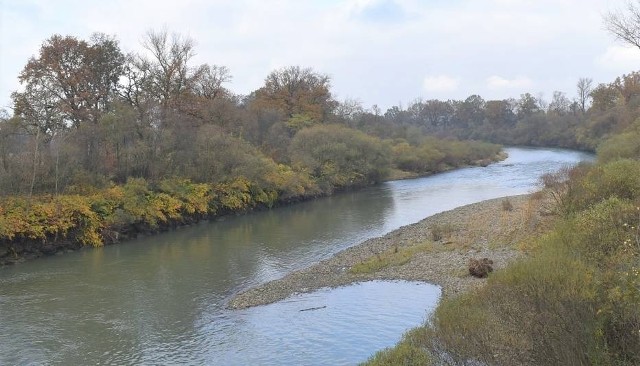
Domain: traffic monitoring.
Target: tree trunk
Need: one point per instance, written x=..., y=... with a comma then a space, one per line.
x=35, y=162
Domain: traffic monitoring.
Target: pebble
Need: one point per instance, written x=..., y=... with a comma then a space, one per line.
x=476, y=227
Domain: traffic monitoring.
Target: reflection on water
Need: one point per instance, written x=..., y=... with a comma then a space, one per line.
x=346, y=323
x=161, y=299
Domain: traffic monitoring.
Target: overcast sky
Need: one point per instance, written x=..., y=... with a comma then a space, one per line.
x=384, y=52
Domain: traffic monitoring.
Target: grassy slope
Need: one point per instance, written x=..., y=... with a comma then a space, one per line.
x=574, y=300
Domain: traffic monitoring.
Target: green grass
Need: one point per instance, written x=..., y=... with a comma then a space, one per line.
x=408, y=352
x=395, y=256
x=573, y=300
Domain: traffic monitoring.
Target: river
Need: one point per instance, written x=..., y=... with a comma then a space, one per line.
x=161, y=299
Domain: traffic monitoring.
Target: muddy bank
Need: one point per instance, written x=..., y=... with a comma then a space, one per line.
x=435, y=250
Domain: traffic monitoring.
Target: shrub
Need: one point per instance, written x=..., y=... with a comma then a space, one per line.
x=338, y=156
x=480, y=267
x=587, y=186
x=290, y=184
x=622, y=146
x=507, y=205
x=536, y=312
x=597, y=235
x=441, y=231
x=47, y=218
x=194, y=196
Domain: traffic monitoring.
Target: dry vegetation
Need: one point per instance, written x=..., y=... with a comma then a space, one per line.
x=410, y=253
x=573, y=300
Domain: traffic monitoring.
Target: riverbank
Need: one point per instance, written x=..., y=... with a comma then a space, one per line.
x=33, y=227
x=435, y=250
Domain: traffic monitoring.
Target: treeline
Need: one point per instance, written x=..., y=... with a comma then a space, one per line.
x=90, y=115
x=596, y=113
x=574, y=299
x=103, y=144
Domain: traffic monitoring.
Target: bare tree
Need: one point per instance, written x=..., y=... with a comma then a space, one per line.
x=625, y=26
x=168, y=69
x=349, y=110
x=169, y=78
x=542, y=102
x=585, y=86
x=559, y=103
x=208, y=79
x=170, y=58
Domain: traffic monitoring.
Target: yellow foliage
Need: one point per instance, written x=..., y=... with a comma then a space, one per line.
x=45, y=217
x=194, y=196
x=288, y=183
x=234, y=195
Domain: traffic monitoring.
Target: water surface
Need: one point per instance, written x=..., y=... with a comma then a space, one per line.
x=160, y=299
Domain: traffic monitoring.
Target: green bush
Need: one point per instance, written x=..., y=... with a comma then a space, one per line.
x=573, y=301
x=538, y=311
x=622, y=146
x=419, y=159
x=585, y=186
x=337, y=156
x=597, y=235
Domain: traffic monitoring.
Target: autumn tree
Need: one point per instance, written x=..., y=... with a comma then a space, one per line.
x=71, y=83
x=35, y=110
x=604, y=97
x=433, y=114
x=629, y=87
x=13, y=168
x=499, y=113
x=173, y=98
x=79, y=77
x=301, y=95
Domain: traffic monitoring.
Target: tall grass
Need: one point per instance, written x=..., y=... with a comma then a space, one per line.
x=575, y=300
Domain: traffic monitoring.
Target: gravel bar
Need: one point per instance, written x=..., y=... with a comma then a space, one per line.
x=488, y=229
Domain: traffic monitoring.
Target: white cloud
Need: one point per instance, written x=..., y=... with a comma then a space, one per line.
x=374, y=50
x=440, y=83
x=381, y=11
x=619, y=59
x=496, y=82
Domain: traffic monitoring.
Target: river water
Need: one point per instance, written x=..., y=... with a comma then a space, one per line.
x=161, y=299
